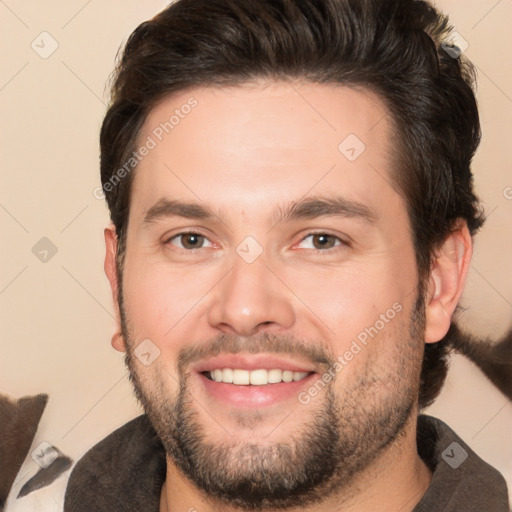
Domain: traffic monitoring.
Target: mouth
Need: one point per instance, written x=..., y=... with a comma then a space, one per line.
x=253, y=381
x=258, y=377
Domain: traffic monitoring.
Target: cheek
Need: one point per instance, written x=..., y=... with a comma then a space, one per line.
x=157, y=297
x=156, y=385
x=156, y=302
x=345, y=301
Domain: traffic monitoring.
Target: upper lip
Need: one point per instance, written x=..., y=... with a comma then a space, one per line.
x=251, y=362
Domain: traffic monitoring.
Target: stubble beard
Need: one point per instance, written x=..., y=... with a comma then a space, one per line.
x=345, y=433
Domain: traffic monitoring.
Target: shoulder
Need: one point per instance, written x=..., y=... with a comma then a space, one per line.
x=461, y=480
x=125, y=471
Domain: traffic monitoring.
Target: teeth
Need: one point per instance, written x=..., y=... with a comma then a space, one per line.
x=255, y=377
x=287, y=376
x=226, y=375
x=275, y=376
x=258, y=377
x=241, y=377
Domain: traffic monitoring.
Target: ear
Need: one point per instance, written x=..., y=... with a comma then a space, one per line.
x=111, y=272
x=447, y=279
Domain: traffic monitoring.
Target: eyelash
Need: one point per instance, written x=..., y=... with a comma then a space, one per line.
x=343, y=243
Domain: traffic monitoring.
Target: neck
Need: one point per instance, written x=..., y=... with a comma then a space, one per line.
x=396, y=480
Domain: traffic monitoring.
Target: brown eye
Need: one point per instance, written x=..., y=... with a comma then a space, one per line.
x=188, y=240
x=321, y=241
x=324, y=241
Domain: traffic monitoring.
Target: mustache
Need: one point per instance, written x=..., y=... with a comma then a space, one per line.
x=263, y=342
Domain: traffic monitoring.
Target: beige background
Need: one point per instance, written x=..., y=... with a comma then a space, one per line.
x=57, y=317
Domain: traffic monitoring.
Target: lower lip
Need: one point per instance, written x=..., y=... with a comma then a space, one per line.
x=254, y=396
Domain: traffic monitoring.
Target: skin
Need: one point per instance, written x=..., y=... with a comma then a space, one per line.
x=243, y=151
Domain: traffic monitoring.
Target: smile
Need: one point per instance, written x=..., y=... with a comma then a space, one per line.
x=258, y=377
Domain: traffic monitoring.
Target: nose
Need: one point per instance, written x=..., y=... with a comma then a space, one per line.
x=251, y=298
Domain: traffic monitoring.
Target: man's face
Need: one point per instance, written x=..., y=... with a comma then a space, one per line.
x=324, y=294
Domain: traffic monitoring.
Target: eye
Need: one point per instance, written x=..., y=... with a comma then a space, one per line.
x=322, y=241
x=188, y=240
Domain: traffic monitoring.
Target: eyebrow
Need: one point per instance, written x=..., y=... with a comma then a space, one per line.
x=334, y=206
x=309, y=208
x=172, y=208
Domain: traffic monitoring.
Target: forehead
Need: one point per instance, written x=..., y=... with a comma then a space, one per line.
x=265, y=143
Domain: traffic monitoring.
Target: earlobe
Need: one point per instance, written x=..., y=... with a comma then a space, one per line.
x=118, y=342
x=447, y=279
x=111, y=273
